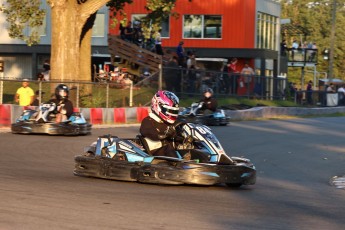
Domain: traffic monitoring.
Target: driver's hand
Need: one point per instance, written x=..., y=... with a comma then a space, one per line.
x=170, y=132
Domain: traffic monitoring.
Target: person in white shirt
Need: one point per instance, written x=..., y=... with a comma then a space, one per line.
x=341, y=95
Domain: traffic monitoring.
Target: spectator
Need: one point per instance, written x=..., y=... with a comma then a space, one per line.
x=309, y=93
x=232, y=68
x=46, y=72
x=158, y=128
x=210, y=104
x=283, y=47
x=129, y=32
x=25, y=95
x=180, y=54
x=294, y=47
x=158, y=42
x=330, y=88
x=341, y=95
x=247, y=73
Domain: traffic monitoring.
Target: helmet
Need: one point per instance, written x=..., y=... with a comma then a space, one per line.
x=165, y=105
x=61, y=91
x=209, y=90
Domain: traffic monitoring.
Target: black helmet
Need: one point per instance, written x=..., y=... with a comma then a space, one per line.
x=209, y=90
x=61, y=91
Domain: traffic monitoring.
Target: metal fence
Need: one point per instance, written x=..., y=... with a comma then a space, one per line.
x=107, y=92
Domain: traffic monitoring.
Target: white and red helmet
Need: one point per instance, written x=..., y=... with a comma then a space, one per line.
x=165, y=105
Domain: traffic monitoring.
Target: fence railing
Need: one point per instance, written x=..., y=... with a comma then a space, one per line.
x=138, y=91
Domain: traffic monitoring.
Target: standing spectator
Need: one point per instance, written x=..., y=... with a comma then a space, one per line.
x=330, y=88
x=25, y=95
x=46, y=72
x=283, y=47
x=341, y=95
x=247, y=73
x=122, y=31
x=180, y=54
x=294, y=47
x=232, y=68
x=312, y=52
x=172, y=75
x=293, y=90
x=191, y=60
x=310, y=93
x=129, y=32
x=158, y=42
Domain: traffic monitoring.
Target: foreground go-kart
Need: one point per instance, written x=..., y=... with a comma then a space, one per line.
x=194, y=114
x=42, y=121
x=111, y=157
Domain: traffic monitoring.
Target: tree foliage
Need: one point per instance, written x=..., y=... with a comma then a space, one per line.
x=315, y=16
x=24, y=18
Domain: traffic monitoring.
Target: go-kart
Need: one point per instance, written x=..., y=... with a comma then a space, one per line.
x=111, y=157
x=194, y=114
x=42, y=121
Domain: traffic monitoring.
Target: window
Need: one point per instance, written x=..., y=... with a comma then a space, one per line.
x=266, y=29
x=42, y=30
x=136, y=18
x=99, y=26
x=202, y=26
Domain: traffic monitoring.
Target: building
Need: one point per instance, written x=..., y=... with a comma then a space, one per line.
x=245, y=29
x=22, y=61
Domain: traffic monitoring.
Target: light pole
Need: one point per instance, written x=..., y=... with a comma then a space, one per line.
x=332, y=41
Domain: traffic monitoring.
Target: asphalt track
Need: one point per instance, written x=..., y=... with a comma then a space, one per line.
x=294, y=158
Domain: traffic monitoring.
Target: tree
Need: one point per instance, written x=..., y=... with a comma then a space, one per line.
x=72, y=22
x=315, y=16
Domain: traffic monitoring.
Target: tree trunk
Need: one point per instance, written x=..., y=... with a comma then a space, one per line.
x=68, y=18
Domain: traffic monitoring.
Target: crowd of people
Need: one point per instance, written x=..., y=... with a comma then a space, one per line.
x=304, y=49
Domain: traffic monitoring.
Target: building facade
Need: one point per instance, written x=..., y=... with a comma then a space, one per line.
x=23, y=61
x=245, y=29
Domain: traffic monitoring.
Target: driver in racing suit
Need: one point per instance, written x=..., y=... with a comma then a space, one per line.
x=64, y=107
x=158, y=128
x=210, y=104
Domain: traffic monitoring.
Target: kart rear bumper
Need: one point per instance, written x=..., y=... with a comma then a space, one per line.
x=51, y=128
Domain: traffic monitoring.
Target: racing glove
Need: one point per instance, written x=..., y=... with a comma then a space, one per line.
x=169, y=133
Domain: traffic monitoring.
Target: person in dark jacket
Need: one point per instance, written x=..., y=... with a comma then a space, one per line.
x=210, y=104
x=158, y=128
x=64, y=107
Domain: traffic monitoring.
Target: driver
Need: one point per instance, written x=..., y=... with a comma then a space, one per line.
x=210, y=104
x=158, y=127
x=64, y=107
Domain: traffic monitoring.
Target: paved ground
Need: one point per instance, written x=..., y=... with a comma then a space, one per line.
x=294, y=158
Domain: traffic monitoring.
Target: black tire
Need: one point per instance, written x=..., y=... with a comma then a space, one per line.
x=234, y=185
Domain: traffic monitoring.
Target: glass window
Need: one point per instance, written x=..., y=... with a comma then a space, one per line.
x=192, y=26
x=136, y=18
x=212, y=26
x=266, y=31
x=99, y=26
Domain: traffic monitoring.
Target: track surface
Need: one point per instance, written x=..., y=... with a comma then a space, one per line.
x=294, y=158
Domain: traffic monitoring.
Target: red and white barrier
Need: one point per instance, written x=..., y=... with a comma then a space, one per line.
x=97, y=116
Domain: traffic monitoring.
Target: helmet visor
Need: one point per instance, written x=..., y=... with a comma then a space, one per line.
x=169, y=110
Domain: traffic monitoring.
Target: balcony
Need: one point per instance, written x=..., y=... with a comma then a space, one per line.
x=301, y=57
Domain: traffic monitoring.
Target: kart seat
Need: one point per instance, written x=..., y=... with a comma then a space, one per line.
x=147, y=144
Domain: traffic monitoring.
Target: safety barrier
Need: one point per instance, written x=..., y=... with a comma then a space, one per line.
x=97, y=116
